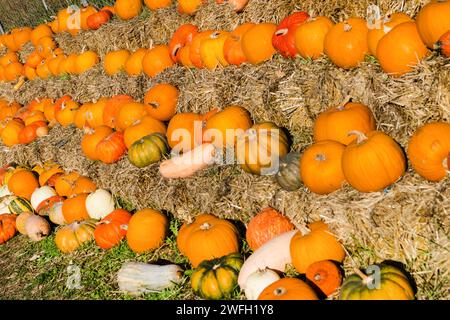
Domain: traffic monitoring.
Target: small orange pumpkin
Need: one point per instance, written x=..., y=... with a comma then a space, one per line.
x=156, y=60
x=141, y=128
x=288, y=289
x=284, y=37
x=74, y=209
x=127, y=9
x=161, y=101
x=257, y=43
x=91, y=139
x=133, y=66
x=113, y=107
x=310, y=37
x=326, y=275
x=23, y=183
x=86, y=61
x=111, y=148
x=112, y=229
x=232, y=48
x=182, y=37
x=115, y=61
x=128, y=114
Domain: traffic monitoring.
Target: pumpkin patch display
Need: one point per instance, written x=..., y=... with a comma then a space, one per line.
x=217, y=278
x=147, y=229
x=257, y=43
x=326, y=275
x=288, y=289
x=381, y=161
x=70, y=237
x=112, y=229
x=207, y=238
x=429, y=151
x=148, y=150
x=266, y=225
x=392, y=284
x=284, y=37
x=319, y=244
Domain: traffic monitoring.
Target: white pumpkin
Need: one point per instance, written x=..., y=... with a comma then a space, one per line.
x=55, y=214
x=258, y=281
x=41, y=194
x=99, y=204
x=4, y=191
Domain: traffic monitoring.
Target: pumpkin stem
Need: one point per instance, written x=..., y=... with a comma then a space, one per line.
x=154, y=104
x=282, y=32
x=215, y=35
x=317, y=277
x=205, y=226
x=347, y=27
x=175, y=50
x=320, y=157
x=361, y=137
x=279, y=291
x=365, y=278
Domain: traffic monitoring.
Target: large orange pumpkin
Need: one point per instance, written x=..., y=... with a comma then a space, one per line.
x=336, y=122
x=23, y=183
x=429, y=151
x=74, y=209
x=433, y=21
x=257, y=43
x=373, y=162
x=207, y=238
x=127, y=9
x=401, y=49
x=320, y=167
x=91, y=139
x=346, y=43
x=141, y=128
x=288, y=289
x=161, y=101
x=113, y=107
x=146, y=230
x=156, y=60
x=310, y=36
x=266, y=225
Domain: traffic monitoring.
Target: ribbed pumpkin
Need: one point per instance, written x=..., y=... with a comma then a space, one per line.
x=91, y=139
x=401, y=49
x=223, y=128
x=288, y=175
x=23, y=183
x=373, y=162
x=69, y=238
x=336, y=122
x=429, y=151
x=7, y=227
x=128, y=114
x=259, y=150
x=321, y=167
x=19, y=205
x=74, y=209
x=148, y=150
x=232, y=48
x=433, y=20
x=141, y=128
x=207, y=238
x=392, y=284
x=346, y=43
x=156, y=60
x=113, y=107
x=266, y=225
x=115, y=61
x=288, y=289
x=319, y=244
x=112, y=229
x=326, y=275
x=257, y=43
x=111, y=148
x=146, y=230
x=217, y=278
x=161, y=101
x=310, y=36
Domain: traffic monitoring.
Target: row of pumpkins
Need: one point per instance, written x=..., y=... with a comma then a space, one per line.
x=347, y=147
x=211, y=245
x=397, y=41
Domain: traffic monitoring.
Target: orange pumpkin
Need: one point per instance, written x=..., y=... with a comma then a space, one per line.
x=232, y=48
x=194, y=48
x=147, y=229
x=156, y=60
x=320, y=167
x=182, y=37
x=266, y=225
x=346, y=43
x=373, y=162
x=189, y=6
x=80, y=119
x=45, y=46
x=433, y=20
x=65, y=183
x=34, y=116
x=184, y=131
x=443, y=45
x=401, y=49
x=23, y=183
x=127, y=9
x=10, y=133
x=161, y=101
x=288, y=289
x=112, y=229
x=33, y=60
x=28, y=72
x=157, y=4
x=429, y=151
x=383, y=27
x=257, y=43
x=85, y=13
x=207, y=238
x=96, y=20
x=336, y=123
x=65, y=114
x=113, y=107
x=86, y=61
x=94, y=113
x=13, y=71
x=317, y=245
x=82, y=185
x=91, y=139
x=7, y=227
x=68, y=65
x=133, y=66
x=39, y=32
x=115, y=61
x=74, y=209
x=141, y=128
x=9, y=110
x=284, y=37
x=223, y=128
x=212, y=50
x=128, y=114
x=21, y=36
x=29, y=133
x=310, y=37
x=326, y=275
x=70, y=237
x=111, y=148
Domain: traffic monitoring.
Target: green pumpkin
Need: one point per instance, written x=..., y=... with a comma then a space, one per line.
x=19, y=205
x=217, y=278
x=148, y=150
x=288, y=177
x=393, y=284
